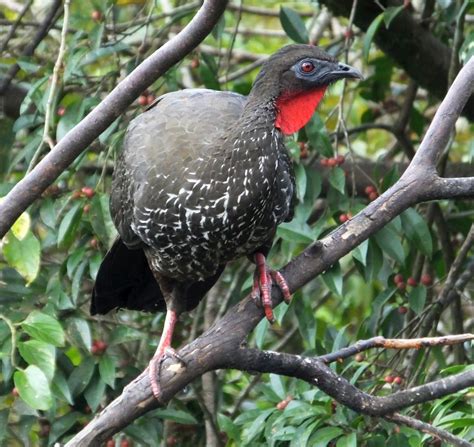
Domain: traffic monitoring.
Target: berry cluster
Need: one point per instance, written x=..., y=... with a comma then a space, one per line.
x=333, y=161
x=146, y=98
x=371, y=192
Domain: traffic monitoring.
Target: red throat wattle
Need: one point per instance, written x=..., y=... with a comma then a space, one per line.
x=294, y=111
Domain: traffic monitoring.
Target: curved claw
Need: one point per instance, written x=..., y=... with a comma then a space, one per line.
x=262, y=286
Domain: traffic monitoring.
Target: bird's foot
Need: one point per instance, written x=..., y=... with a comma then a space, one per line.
x=264, y=277
x=154, y=367
x=164, y=349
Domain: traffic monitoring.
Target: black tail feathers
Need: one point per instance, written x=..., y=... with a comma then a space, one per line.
x=125, y=281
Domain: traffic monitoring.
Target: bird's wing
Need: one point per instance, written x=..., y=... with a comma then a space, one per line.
x=160, y=147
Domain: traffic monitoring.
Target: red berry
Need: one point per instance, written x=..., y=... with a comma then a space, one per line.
x=86, y=208
x=340, y=159
x=324, y=162
x=388, y=379
x=94, y=243
x=412, y=282
x=125, y=443
x=398, y=278
x=369, y=189
x=403, y=310
x=332, y=162
x=88, y=192
x=398, y=380
x=401, y=286
x=348, y=34
x=61, y=111
x=143, y=100
x=76, y=195
x=15, y=392
x=426, y=279
x=343, y=218
x=195, y=63
x=150, y=99
x=282, y=405
x=373, y=196
x=96, y=15
x=110, y=443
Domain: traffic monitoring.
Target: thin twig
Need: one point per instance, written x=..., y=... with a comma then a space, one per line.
x=429, y=429
x=58, y=66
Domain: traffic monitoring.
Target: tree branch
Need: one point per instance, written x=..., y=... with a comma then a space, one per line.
x=78, y=139
x=428, y=428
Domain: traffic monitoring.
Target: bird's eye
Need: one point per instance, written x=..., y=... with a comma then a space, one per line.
x=307, y=67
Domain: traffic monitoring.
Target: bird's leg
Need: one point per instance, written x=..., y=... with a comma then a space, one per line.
x=164, y=347
x=262, y=283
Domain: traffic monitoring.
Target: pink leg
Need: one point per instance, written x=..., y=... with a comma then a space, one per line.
x=263, y=280
x=163, y=347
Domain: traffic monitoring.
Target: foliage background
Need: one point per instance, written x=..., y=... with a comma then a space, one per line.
x=59, y=366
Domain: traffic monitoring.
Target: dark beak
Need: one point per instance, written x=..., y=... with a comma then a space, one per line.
x=346, y=71
x=330, y=72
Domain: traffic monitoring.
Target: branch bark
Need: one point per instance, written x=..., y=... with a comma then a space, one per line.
x=221, y=346
x=78, y=139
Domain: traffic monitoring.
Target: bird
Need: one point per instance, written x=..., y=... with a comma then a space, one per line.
x=204, y=178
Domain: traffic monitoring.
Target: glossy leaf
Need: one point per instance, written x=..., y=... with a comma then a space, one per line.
x=44, y=327
x=33, y=387
x=293, y=25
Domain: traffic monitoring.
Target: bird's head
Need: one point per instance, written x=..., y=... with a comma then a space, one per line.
x=296, y=78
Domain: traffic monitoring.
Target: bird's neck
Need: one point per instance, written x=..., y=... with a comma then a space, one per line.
x=285, y=112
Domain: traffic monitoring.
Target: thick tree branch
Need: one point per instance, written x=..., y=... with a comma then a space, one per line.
x=78, y=139
x=220, y=346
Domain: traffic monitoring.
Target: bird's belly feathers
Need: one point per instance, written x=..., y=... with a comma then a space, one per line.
x=190, y=239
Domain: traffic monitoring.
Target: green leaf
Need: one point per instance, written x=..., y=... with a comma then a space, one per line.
x=390, y=13
x=324, y=435
x=101, y=221
x=123, y=334
x=32, y=385
x=389, y=242
x=337, y=179
x=256, y=427
x=295, y=232
x=347, y=440
x=179, y=416
x=61, y=389
x=62, y=425
x=44, y=327
x=417, y=298
x=260, y=332
x=23, y=255
x=41, y=354
x=226, y=425
x=369, y=35
x=107, y=370
x=21, y=227
x=80, y=332
x=94, y=392
x=333, y=279
x=81, y=376
x=277, y=385
x=360, y=252
x=68, y=226
x=293, y=25
x=417, y=231
x=301, y=181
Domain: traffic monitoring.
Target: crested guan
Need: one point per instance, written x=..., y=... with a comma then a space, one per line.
x=204, y=178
